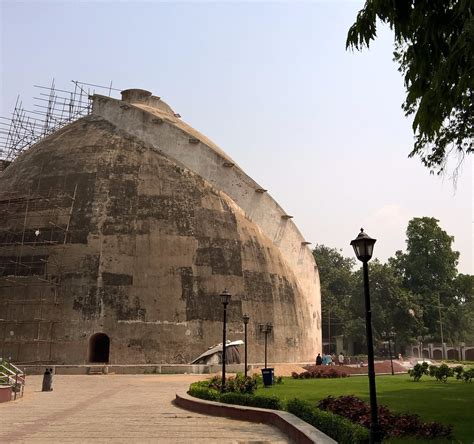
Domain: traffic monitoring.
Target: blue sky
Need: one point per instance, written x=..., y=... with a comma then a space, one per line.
x=318, y=126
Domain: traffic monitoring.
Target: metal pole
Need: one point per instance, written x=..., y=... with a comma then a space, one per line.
x=16, y=385
x=375, y=433
x=329, y=332
x=266, y=333
x=390, y=351
x=245, y=330
x=223, y=348
x=441, y=327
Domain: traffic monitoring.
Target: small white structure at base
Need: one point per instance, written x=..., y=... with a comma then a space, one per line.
x=214, y=354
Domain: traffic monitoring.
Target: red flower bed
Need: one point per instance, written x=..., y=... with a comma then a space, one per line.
x=320, y=371
x=392, y=424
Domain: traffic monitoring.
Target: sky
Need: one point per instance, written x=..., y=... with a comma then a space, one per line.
x=272, y=84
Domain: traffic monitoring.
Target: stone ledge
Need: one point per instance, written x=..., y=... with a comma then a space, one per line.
x=296, y=429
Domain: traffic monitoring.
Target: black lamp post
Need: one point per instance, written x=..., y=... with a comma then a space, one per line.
x=389, y=337
x=363, y=247
x=420, y=347
x=266, y=328
x=225, y=299
x=245, y=318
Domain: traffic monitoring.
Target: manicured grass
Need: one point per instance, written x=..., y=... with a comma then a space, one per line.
x=448, y=403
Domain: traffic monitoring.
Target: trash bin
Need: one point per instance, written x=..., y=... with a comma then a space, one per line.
x=48, y=380
x=267, y=374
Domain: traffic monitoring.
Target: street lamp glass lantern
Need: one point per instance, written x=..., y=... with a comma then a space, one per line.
x=225, y=297
x=363, y=246
x=246, y=318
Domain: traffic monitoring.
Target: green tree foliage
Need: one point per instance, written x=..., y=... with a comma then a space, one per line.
x=390, y=304
x=429, y=262
x=337, y=283
x=408, y=293
x=342, y=298
x=434, y=50
x=464, y=315
x=429, y=271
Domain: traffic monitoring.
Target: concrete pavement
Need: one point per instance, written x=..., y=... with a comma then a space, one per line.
x=119, y=409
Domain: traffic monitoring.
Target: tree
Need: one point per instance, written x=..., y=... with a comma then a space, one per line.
x=337, y=283
x=342, y=298
x=464, y=316
x=390, y=303
x=429, y=270
x=433, y=48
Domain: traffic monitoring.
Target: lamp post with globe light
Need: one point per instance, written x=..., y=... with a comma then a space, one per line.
x=389, y=336
x=225, y=299
x=420, y=347
x=363, y=247
x=266, y=329
x=245, y=318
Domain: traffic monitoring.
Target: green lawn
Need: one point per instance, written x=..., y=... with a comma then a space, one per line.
x=450, y=403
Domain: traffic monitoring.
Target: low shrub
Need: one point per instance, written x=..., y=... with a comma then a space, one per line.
x=458, y=371
x=263, y=402
x=340, y=429
x=205, y=390
x=198, y=391
x=320, y=371
x=442, y=373
x=462, y=374
x=391, y=424
x=418, y=371
x=237, y=384
x=468, y=375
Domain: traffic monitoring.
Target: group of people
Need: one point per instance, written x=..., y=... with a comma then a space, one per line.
x=331, y=359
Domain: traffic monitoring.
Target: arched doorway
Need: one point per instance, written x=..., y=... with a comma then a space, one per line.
x=453, y=354
x=469, y=354
x=437, y=354
x=99, y=346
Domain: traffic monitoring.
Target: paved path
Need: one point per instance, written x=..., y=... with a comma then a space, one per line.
x=119, y=409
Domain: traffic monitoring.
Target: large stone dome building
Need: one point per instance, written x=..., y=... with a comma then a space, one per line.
x=119, y=231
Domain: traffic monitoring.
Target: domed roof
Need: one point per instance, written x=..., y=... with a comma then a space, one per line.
x=133, y=242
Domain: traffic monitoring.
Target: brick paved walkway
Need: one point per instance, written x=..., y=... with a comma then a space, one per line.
x=119, y=409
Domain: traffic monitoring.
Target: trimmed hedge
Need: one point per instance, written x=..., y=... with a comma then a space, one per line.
x=263, y=402
x=335, y=426
x=203, y=392
x=340, y=429
x=199, y=390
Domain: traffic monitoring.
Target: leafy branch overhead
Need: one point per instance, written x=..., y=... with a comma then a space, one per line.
x=434, y=43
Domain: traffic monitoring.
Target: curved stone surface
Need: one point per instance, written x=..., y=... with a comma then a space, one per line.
x=115, y=226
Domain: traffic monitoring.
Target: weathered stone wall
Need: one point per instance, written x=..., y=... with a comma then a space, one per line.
x=135, y=245
x=153, y=121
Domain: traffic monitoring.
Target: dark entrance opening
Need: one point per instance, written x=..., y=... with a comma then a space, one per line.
x=99, y=345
